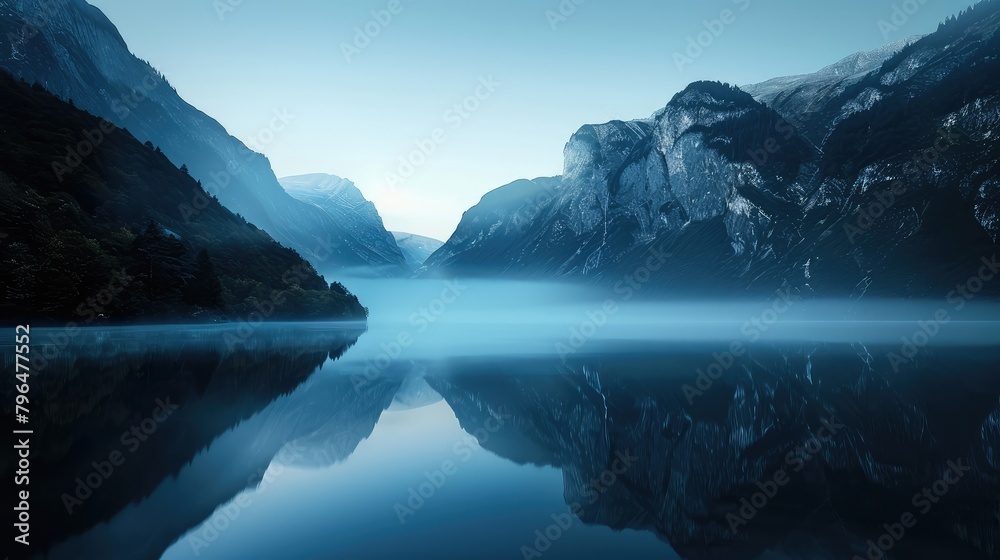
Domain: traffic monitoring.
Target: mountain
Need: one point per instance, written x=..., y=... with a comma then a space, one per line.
x=627, y=185
x=889, y=188
x=416, y=248
x=79, y=55
x=797, y=97
x=486, y=229
x=94, y=231
x=361, y=240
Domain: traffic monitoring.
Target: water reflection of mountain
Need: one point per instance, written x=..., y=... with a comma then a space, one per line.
x=694, y=462
x=686, y=462
x=152, y=402
x=319, y=424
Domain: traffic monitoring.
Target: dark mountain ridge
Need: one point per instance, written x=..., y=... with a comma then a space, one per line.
x=95, y=231
x=74, y=51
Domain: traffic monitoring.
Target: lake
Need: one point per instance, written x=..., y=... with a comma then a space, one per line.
x=456, y=424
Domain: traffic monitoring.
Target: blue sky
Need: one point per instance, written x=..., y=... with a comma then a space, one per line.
x=362, y=102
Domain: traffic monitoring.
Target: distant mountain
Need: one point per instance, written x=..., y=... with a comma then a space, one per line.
x=362, y=242
x=846, y=183
x=416, y=248
x=93, y=232
x=79, y=55
x=488, y=228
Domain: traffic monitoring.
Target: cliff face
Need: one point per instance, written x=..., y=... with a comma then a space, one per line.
x=876, y=175
x=627, y=185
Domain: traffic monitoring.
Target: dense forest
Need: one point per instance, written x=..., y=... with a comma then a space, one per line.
x=98, y=227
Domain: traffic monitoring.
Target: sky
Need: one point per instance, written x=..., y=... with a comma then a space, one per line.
x=429, y=104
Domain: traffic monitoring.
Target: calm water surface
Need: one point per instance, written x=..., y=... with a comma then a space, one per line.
x=642, y=437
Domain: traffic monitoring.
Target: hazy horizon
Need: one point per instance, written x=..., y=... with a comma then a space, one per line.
x=358, y=107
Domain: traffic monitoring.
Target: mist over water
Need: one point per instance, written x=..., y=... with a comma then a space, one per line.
x=495, y=317
x=509, y=399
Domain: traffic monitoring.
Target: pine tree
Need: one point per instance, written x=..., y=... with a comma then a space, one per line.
x=204, y=288
x=158, y=261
